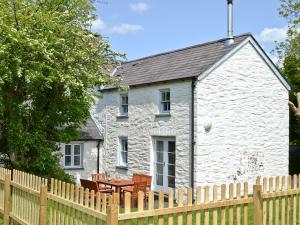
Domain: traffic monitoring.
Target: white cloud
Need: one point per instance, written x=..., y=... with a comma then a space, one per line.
x=270, y=35
x=139, y=7
x=125, y=28
x=98, y=24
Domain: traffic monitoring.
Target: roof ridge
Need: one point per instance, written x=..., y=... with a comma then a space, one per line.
x=185, y=48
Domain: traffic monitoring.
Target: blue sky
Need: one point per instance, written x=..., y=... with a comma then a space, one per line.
x=146, y=27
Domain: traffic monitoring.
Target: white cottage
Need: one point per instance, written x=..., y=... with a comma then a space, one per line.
x=208, y=114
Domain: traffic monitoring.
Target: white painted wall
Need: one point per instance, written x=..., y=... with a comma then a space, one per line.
x=142, y=125
x=247, y=106
x=89, y=163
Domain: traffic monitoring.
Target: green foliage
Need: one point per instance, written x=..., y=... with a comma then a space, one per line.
x=289, y=52
x=294, y=161
x=290, y=9
x=49, y=63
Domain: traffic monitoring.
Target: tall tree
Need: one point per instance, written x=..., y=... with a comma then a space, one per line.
x=289, y=52
x=49, y=61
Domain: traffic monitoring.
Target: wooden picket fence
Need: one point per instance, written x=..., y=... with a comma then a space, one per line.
x=25, y=200
x=30, y=200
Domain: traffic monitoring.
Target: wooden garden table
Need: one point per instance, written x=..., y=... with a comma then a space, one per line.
x=117, y=183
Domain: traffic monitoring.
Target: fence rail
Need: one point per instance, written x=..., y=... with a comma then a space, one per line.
x=30, y=200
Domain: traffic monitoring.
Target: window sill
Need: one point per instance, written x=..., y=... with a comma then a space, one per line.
x=122, y=167
x=73, y=168
x=122, y=117
x=163, y=115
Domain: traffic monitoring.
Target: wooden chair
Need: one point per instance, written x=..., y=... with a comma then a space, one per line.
x=148, y=179
x=137, y=187
x=100, y=176
x=136, y=177
x=92, y=185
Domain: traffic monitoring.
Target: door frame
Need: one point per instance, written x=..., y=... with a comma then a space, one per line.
x=165, y=170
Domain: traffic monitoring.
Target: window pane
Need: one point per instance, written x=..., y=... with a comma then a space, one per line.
x=159, y=157
x=124, y=152
x=160, y=146
x=159, y=168
x=76, y=149
x=171, y=158
x=125, y=145
x=67, y=149
x=67, y=160
x=171, y=146
x=168, y=96
x=124, y=157
x=163, y=96
x=165, y=106
x=171, y=169
x=159, y=180
x=77, y=161
x=125, y=100
x=171, y=182
x=125, y=109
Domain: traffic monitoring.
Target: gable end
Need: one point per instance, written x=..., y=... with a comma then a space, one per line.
x=259, y=50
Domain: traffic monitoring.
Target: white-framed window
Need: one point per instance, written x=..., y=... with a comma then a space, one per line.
x=165, y=101
x=124, y=104
x=73, y=156
x=123, y=151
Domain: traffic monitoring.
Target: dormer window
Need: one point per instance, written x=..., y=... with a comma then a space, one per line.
x=165, y=101
x=124, y=105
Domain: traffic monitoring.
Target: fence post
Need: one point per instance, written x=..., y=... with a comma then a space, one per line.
x=43, y=205
x=6, y=199
x=112, y=214
x=257, y=205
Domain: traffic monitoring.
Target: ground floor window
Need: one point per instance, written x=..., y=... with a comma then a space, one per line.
x=123, y=151
x=73, y=156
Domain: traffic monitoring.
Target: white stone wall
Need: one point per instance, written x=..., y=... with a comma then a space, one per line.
x=142, y=125
x=89, y=163
x=247, y=106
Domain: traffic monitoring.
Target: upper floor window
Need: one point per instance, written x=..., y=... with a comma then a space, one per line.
x=123, y=152
x=124, y=104
x=73, y=156
x=165, y=102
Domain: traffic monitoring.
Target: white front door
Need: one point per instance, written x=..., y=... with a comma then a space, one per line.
x=164, y=163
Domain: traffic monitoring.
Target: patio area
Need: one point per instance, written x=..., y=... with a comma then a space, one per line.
x=119, y=187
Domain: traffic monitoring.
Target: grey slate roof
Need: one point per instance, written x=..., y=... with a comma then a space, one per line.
x=90, y=131
x=182, y=63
